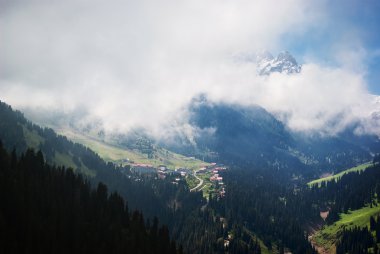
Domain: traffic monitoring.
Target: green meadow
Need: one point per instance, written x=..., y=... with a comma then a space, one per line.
x=336, y=177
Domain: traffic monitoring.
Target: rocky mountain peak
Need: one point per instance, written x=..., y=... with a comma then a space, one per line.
x=283, y=63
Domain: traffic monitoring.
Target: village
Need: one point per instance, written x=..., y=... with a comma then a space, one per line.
x=207, y=178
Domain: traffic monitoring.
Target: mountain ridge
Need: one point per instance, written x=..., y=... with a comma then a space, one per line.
x=267, y=64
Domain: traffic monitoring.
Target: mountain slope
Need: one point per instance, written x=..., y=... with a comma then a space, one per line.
x=52, y=210
x=332, y=154
x=330, y=234
x=19, y=134
x=121, y=154
x=268, y=164
x=173, y=204
x=246, y=135
x=350, y=204
x=239, y=133
x=336, y=177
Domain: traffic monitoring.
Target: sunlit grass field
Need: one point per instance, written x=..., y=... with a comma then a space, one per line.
x=336, y=177
x=360, y=218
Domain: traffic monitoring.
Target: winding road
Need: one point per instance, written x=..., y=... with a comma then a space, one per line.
x=199, y=179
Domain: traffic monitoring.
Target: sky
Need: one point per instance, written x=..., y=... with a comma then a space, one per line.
x=347, y=25
x=138, y=63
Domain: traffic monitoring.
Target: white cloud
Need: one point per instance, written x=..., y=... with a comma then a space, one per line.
x=138, y=62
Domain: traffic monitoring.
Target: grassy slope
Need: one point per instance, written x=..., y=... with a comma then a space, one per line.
x=118, y=155
x=338, y=176
x=328, y=235
x=115, y=154
x=33, y=140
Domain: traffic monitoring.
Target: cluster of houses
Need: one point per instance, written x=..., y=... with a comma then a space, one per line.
x=215, y=177
x=214, y=169
x=218, y=179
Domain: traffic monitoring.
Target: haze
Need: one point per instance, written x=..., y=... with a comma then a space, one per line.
x=138, y=63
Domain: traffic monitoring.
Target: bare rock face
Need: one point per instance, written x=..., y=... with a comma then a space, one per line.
x=283, y=63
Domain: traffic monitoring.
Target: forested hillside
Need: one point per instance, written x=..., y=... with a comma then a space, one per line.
x=185, y=213
x=283, y=213
x=18, y=133
x=266, y=208
x=360, y=240
x=47, y=209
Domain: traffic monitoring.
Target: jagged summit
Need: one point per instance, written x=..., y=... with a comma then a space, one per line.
x=283, y=63
x=266, y=63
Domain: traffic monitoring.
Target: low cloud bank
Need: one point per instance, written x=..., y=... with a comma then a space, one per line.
x=139, y=63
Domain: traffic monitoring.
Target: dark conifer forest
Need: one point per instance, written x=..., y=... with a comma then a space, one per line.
x=356, y=240
x=46, y=209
